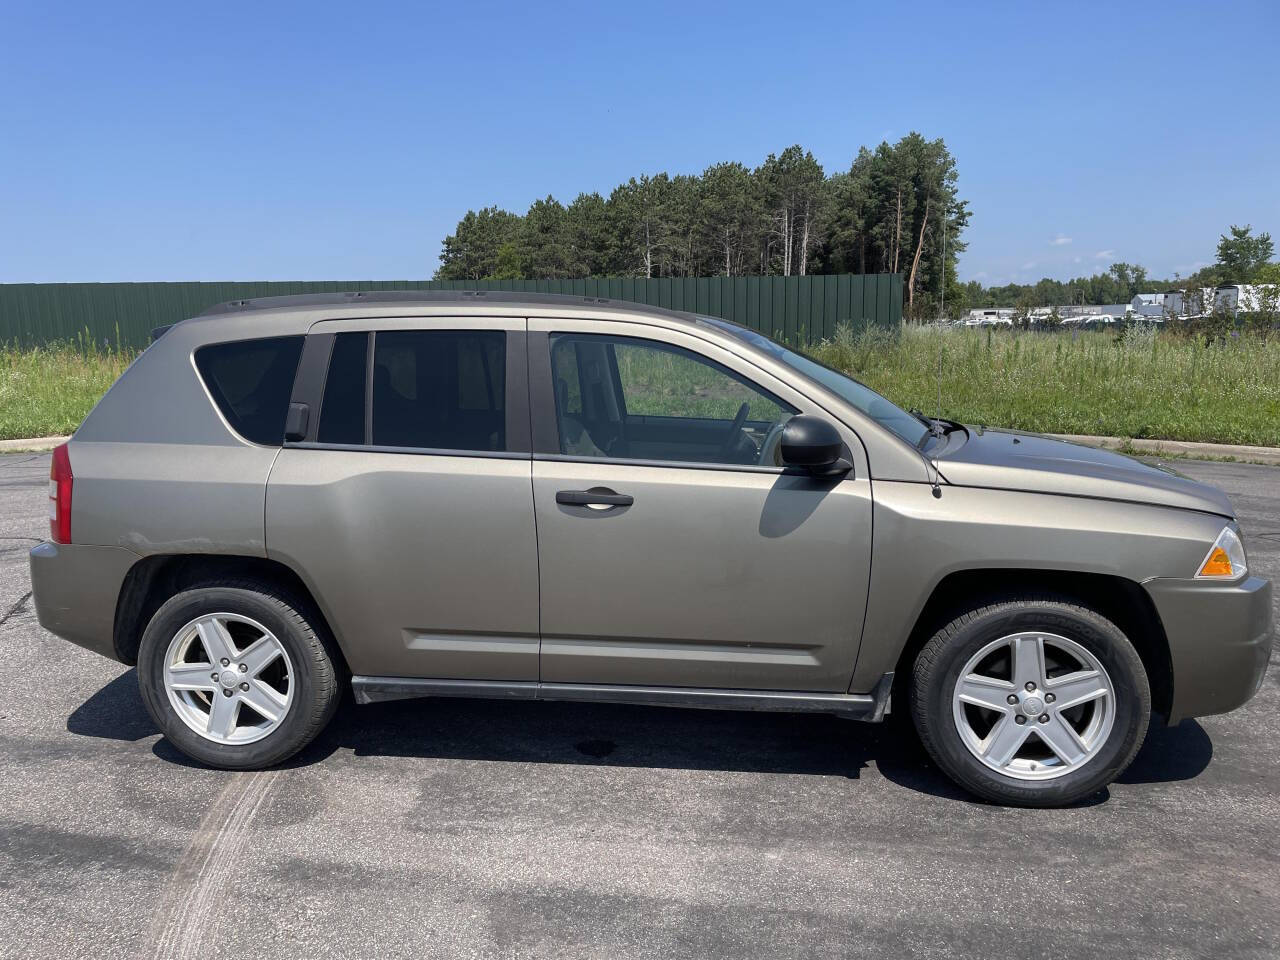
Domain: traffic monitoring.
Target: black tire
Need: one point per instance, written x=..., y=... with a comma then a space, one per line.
x=318, y=672
x=937, y=670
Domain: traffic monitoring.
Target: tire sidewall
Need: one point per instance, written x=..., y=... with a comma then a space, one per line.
x=1101, y=638
x=273, y=614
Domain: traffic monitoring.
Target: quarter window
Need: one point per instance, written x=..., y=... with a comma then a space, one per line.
x=627, y=398
x=250, y=381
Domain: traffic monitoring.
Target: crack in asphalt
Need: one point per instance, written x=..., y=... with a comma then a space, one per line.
x=22, y=602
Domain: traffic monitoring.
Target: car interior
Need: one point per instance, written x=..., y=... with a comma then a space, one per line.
x=632, y=399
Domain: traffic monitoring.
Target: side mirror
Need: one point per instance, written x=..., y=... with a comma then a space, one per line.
x=814, y=444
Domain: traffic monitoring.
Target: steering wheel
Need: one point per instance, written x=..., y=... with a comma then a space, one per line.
x=731, y=440
x=769, y=446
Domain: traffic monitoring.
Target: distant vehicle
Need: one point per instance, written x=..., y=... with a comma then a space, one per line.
x=554, y=498
x=1090, y=319
x=986, y=316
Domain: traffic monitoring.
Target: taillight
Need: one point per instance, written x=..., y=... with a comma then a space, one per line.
x=60, y=495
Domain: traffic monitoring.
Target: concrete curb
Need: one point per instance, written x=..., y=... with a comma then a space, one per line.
x=1183, y=448
x=34, y=445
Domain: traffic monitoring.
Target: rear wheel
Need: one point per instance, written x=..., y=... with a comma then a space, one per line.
x=236, y=676
x=1035, y=702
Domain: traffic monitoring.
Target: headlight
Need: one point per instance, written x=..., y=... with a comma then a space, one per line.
x=1225, y=559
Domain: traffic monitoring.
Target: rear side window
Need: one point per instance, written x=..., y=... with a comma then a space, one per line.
x=342, y=408
x=250, y=381
x=439, y=389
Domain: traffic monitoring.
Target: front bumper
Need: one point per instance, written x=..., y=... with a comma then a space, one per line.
x=1220, y=637
x=76, y=587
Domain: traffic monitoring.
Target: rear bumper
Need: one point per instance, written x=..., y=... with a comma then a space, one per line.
x=1220, y=639
x=75, y=588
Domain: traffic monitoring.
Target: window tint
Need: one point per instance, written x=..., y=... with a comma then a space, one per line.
x=342, y=408
x=250, y=381
x=644, y=400
x=442, y=389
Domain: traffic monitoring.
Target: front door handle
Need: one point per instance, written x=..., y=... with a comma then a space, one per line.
x=595, y=497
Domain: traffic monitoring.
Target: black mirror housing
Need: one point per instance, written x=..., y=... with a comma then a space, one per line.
x=295, y=422
x=814, y=444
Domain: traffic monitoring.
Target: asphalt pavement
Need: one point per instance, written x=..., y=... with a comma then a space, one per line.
x=490, y=829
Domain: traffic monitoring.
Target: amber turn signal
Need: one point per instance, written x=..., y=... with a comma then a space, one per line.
x=1226, y=557
x=1218, y=564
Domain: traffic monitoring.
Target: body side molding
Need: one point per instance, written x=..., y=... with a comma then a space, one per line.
x=869, y=706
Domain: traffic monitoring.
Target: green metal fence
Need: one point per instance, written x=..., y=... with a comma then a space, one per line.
x=793, y=309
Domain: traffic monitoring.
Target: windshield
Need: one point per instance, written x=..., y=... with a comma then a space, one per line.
x=887, y=414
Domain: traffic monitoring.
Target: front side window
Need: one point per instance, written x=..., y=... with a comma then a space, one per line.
x=440, y=389
x=250, y=381
x=628, y=398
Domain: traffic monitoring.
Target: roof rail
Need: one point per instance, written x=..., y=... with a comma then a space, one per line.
x=428, y=296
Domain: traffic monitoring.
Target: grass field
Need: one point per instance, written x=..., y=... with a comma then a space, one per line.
x=1149, y=385
x=47, y=392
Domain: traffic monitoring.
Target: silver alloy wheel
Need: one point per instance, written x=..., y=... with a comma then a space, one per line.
x=1034, y=706
x=222, y=663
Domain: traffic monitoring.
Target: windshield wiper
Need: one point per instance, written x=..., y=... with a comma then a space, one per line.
x=951, y=426
x=927, y=421
x=937, y=429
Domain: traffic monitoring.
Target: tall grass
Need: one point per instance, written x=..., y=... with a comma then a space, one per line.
x=47, y=391
x=1144, y=384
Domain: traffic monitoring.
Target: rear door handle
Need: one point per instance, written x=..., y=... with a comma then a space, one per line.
x=596, y=497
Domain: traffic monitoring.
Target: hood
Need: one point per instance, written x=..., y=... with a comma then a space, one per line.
x=1009, y=460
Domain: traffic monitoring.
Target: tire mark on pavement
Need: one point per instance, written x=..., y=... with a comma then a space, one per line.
x=14, y=463
x=16, y=608
x=197, y=888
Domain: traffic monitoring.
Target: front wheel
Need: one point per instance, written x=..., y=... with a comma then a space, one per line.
x=236, y=676
x=1032, y=702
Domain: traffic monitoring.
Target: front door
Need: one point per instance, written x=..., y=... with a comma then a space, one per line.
x=673, y=549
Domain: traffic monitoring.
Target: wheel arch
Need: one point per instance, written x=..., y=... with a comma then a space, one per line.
x=1124, y=602
x=153, y=580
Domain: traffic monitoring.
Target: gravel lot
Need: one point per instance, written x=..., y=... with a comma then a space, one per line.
x=456, y=828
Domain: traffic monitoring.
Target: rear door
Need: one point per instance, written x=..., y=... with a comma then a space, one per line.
x=406, y=502
x=673, y=549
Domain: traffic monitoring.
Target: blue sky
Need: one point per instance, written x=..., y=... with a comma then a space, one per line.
x=322, y=140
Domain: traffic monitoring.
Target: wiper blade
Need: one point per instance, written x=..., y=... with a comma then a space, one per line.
x=922, y=418
x=937, y=428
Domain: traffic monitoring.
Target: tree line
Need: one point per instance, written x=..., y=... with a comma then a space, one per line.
x=894, y=210
x=1242, y=257
x=1119, y=283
